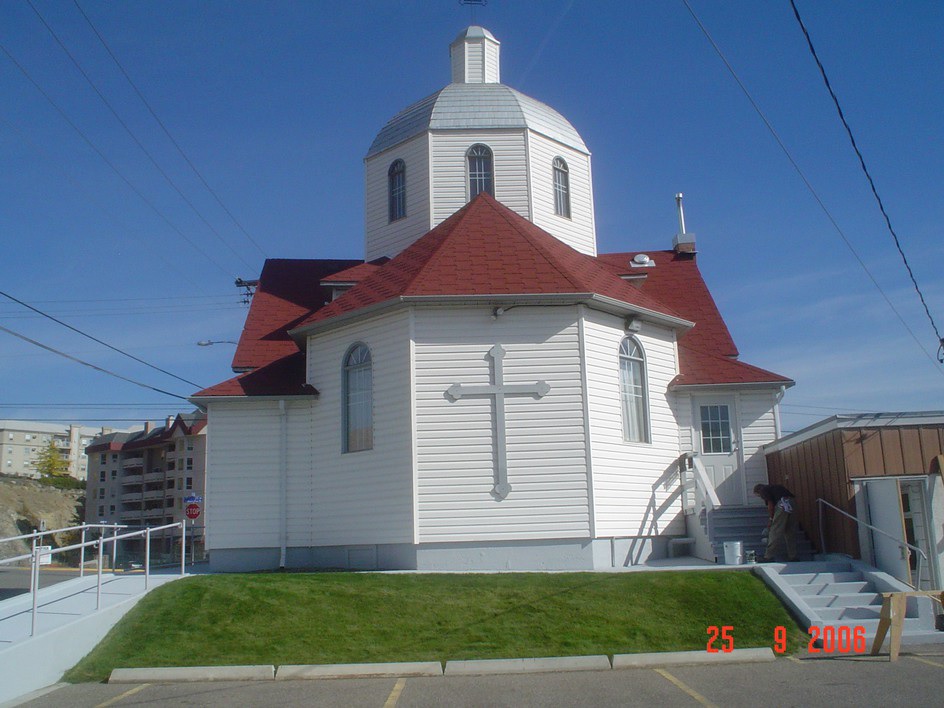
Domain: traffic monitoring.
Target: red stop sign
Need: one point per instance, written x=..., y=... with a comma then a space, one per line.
x=192, y=511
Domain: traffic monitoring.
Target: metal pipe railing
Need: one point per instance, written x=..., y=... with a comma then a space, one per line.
x=901, y=544
x=37, y=553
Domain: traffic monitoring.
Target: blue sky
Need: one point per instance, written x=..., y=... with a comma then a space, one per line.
x=276, y=104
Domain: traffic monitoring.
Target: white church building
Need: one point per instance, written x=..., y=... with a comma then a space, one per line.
x=484, y=390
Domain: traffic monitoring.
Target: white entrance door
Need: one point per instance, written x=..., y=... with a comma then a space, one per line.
x=885, y=513
x=716, y=433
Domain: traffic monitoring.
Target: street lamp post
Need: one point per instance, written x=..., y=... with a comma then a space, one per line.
x=210, y=342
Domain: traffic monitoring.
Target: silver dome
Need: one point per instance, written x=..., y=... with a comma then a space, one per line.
x=462, y=106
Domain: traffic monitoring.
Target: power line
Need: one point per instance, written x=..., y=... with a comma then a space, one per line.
x=131, y=134
x=806, y=181
x=108, y=162
x=166, y=131
x=85, y=363
x=97, y=340
x=868, y=176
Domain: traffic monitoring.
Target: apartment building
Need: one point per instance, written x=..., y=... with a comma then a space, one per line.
x=22, y=441
x=145, y=478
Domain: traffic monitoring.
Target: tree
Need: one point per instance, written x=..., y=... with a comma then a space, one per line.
x=50, y=462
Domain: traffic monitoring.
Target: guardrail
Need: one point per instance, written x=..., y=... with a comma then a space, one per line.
x=901, y=544
x=39, y=553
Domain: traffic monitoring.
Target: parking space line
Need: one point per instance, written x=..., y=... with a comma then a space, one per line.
x=129, y=692
x=690, y=691
x=395, y=693
x=927, y=661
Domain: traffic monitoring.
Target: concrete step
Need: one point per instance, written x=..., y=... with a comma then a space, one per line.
x=859, y=599
x=832, y=566
x=826, y=577
x=831, y=589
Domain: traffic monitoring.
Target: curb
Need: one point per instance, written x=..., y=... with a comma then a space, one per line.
x=327, y=671
x=474, y=667
x=193, y=673
x=527, y=666
x=682, y=658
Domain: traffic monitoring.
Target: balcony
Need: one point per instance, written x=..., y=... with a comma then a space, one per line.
x=132, y=463
x=153, y=494
x=132, y=515
x=132, y=479
x=154, y=476
x=131, y=497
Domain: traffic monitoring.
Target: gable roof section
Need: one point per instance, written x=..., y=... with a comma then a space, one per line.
x=282, y=377
x=701, y=368
x=355, y=274
x=486, y=249
x=676, y=281
x=289, y=290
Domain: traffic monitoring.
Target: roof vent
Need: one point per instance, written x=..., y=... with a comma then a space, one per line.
x=641, y=260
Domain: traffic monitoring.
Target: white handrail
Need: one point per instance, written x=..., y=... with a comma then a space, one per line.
x=703, y=483
x=99, y=544
x=901, y=544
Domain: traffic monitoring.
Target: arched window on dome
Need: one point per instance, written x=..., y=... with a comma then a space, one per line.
x=561, y=188
x=357, y=399
x=480, y=170
x=634, y=391
x=396, y=190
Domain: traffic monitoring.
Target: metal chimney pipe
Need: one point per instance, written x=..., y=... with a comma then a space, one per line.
x=681, y=212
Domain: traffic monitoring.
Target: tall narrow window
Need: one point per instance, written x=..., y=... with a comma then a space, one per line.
x=480, y=170
x=358, y=400
x=632, y=365
x=561, y=188
x=396, y=186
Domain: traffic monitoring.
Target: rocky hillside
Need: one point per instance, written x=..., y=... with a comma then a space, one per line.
x=24, y=503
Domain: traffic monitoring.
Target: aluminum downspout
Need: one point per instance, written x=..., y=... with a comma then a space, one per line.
x=283, y=483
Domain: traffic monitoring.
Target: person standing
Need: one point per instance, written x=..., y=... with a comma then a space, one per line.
x=781, y=506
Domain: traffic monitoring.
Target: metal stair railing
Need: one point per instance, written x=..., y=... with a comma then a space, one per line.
x=39, y=553
x=901, y=544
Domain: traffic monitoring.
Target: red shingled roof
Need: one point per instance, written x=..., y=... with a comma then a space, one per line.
x=487, y=249
x=483, y=249
x=700, y=368
x=676, y=281
x=289, y=290
x=283, y=377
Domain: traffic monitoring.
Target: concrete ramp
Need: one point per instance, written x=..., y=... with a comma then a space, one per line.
x=68, y=627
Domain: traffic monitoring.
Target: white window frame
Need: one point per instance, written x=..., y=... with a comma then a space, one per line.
x=634, y=391
x=396, y=191
x=561, y=187
x=357, y=399
x=479, y=180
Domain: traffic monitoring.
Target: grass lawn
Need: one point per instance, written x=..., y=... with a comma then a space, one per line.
x=326, y=618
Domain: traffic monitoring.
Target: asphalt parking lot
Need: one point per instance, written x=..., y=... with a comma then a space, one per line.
x=917, y=679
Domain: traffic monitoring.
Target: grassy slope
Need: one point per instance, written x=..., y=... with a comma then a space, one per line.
x=348, y=617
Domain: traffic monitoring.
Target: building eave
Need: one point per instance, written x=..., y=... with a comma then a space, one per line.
x=855, y=422
x=203, y=401
x=733, y=384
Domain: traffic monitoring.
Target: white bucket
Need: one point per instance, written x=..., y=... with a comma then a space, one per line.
x=733, y=552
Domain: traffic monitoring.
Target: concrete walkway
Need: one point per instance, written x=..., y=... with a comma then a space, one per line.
x=70, y=621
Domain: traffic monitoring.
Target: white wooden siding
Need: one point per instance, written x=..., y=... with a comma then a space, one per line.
x=455, y=439
x=635, y=485
x=366, y=496
x=243, y=494
x=578, y=230
x=449, y=172
x=385, y=238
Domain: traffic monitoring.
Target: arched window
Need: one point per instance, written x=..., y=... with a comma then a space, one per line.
x=561, y=188
x=633, y=391
x=357, y=399
x=396, y=190
x=480, y=170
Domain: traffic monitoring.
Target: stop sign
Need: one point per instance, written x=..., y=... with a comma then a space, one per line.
x=192, y=511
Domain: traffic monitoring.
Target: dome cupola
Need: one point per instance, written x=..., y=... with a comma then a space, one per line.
x=476, y=133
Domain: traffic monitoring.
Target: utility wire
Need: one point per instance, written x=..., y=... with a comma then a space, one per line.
x=108, y=162
x=131, y=134
x=806, y=181
x=167, y=132
x=85, y=363
x=97, y=340
x=868, y=176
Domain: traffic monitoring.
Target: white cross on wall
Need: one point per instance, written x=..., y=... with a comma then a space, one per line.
x=499, y=389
